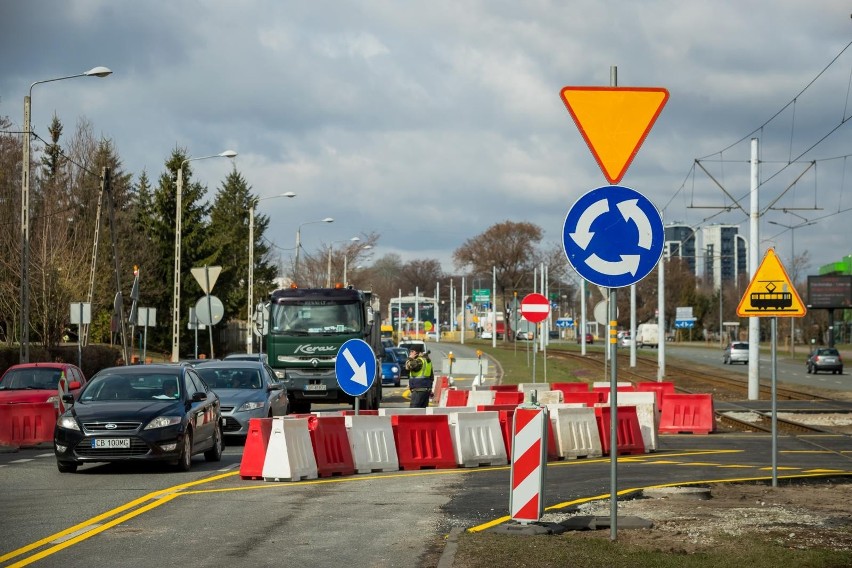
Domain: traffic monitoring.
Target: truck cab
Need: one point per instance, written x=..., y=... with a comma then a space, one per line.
x=307, y=327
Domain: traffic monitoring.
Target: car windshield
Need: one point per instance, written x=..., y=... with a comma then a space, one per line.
x=231, y=378
x=737, y=346
x=38, y=378
x=829, y=352
x=315, y=317
x=137, y=386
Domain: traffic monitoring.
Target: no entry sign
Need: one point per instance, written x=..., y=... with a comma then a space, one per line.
x=535, y=307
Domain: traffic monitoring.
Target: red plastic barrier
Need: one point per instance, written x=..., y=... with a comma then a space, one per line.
x=504, y=388
x=605, y=390
x=515, y=397
x=27, y=424
x=443, y=382
x=361, y=412
x=628, y=435
x=254, y=452
x=457, y=397
x=331, y=445
x=571, y=387
x=687, y=413
x=587, y=398
x=495, y=407
x=660, y=389
x=423, y=441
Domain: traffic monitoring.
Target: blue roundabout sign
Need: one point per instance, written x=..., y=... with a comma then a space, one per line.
x=613, y=236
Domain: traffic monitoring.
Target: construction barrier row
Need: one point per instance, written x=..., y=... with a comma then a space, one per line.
x=27, y=424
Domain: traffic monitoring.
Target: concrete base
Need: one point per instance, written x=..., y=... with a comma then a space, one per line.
x=591, y=523
x=529, y=529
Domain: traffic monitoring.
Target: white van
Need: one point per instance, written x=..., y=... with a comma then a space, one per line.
x=648, y=335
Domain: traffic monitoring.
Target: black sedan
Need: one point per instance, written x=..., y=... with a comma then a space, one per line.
x=140, y=413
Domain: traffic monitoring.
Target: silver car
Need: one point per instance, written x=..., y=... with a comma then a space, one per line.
x=735, y=352
x=246, y=389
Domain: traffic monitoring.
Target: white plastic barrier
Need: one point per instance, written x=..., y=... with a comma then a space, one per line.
x=646, y=413
x=449, y=409
x=390, y=411
x=545, y=397
x=598, y=384
x=527, y=387
x=289, y=454
x=372, y=444
x=477, y=439
x=576, y=431
x=553, y=407
x=480, y=397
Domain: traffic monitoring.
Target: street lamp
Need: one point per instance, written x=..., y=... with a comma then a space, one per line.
x=299, y=241
x=25, y=209
x=178, y=229
x=249, y=340
x=345, y=259
x=792, y=229
x=330, y=249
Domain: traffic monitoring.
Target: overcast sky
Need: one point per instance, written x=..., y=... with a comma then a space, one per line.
x=428, y=122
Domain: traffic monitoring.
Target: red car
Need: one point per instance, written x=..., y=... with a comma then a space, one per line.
x=38, y=382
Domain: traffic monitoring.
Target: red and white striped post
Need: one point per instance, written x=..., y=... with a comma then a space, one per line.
x=529, y=457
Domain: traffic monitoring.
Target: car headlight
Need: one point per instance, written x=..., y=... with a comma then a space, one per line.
x=68, y=423
x=246, y=406
x=394, y=369
x=163, y=421
x=280, y=374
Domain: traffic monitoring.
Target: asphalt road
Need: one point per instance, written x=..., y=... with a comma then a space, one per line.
x=147, y=515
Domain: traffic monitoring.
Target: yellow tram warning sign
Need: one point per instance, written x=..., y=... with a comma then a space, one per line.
x=771, y=292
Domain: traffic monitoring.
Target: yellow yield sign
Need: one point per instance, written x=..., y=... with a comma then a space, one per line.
x=771, y=292
x=614, y=122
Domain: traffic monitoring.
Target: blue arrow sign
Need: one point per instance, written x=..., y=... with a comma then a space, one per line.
x=685, y=324
x=613, y=236
x=355, y=367
x=565, y=322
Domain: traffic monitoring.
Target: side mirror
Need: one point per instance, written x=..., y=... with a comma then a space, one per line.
x=74, y=385
x=199, y=396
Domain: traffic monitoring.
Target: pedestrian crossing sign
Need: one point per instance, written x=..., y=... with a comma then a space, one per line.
x=771, y=292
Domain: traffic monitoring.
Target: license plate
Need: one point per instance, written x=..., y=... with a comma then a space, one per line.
x=830, y=360
x=111, y=443
x=315, y=387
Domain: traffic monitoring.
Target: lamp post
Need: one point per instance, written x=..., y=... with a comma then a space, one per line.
x=330, y=249
x=792, y=229
x=299, y=241
x=178, y=229
x=249, y=339
x=25, y=209
x=345, y=263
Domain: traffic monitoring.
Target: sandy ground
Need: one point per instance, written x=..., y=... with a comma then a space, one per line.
x=803, y=514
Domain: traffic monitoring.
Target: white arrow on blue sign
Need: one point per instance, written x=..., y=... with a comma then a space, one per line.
x=613, y=236
x=355, y=367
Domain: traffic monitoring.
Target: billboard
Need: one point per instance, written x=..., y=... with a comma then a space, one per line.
x=830, y=292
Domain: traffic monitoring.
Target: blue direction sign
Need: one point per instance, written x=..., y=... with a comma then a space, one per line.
x=565, y=322
x=613, y=236
x=685, y=323
x=355, y=367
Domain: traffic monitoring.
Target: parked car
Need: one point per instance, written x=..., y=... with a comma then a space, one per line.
x=735, y=352
x=155, y=412
x=246, y=389
x=391, y=367
x=262, y=357
x=39, y=382
x=825, y=359
x=626, y=340
x=590, y=339
x=524, y=335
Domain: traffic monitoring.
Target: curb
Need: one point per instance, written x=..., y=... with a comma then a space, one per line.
x=448, y=556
